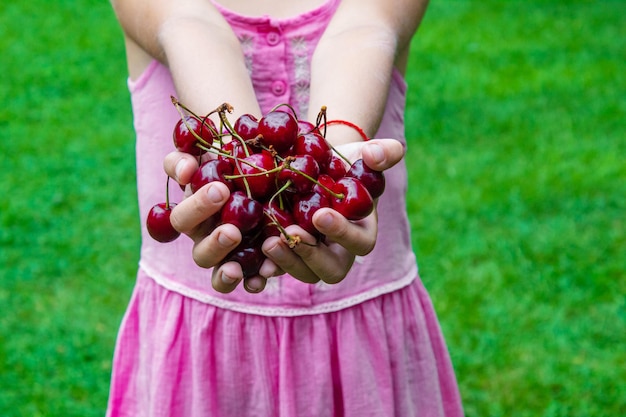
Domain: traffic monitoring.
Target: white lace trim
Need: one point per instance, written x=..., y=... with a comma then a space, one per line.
x=274, y=311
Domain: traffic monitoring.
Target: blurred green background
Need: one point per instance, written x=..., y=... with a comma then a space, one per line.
x=517, y=142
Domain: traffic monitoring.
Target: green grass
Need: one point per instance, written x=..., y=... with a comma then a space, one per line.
x=517, y=143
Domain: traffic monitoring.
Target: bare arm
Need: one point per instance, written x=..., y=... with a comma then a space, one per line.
x=192, y=38
x=353, y=62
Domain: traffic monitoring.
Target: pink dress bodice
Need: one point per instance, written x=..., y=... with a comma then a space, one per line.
x=278, y=55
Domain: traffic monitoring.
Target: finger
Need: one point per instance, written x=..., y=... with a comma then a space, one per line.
x=269, y=269
x=195, y=209
x=213, y=248
x=382, y=154
x=180, y=166
x=226, y=278
x=254, y=284
x=331, y=263
x=279, y=252
x=357, y=237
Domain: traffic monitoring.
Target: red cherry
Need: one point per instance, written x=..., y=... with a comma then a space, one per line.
x=185, y=141
x=234, y=150
x=247, y=126
x=212, y=170
x=241, y=211
x=315, y=145
x=249, y=255
x=305, y=206
x=301, y=164
x=159, y=225
x=274, y=214
x=278, y=130
x=305, y=127
x=336, y=168
x=261, y=186
x=356, y=203
x=373, y=180
x=324, y=184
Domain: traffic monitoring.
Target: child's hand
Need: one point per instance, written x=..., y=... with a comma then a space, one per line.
x=329, y=261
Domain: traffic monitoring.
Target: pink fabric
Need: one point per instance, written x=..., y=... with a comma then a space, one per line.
x=370, y=345
x=180, y=357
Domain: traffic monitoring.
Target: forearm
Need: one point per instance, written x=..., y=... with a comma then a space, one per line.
x=192, y=38
x=353, y=64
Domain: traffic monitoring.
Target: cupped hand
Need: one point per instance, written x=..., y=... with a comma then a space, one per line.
x=308, y=261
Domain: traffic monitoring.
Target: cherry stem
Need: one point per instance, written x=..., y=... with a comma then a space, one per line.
x=167, y=193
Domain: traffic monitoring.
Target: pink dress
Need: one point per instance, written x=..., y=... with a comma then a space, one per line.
x=368, y=346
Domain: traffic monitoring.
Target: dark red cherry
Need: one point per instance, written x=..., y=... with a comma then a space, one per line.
x=356, y=202
x=249, y=255
x=302, y=171
x=373, y=180
x=305, y=206
x=233, y=150
x=212, y=170
x=278, y=130
x=325, y=184
x=261, y=186
x=247, y=126
x=159, y=225
x=241, y=211
x=273, y=214
x=336, y=168
x=315, y=145
x=305, y=127
x=185, y=141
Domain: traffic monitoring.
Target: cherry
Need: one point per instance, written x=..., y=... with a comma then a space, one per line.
x=305, y=127
x=249, y=255
x=233, y=150
x=249, y=170
x=373, y=180
x=275, y=214
x=299, y=165
x=356, y=202
x=278, y=130
x=185, y=141
x=247, y=126
x=305, y=206
x=212, y=170
x=241, y=211
x=325, y=184
x=159, y=225
x=336, y=168
x=315, y=145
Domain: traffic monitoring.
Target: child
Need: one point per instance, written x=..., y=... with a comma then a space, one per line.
x=344, y=327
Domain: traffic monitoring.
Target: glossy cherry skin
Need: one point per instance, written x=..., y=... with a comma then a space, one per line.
x=299, y=165
x=274, y=214
x=315, y=145
x=235, y=149
x=212, y=170
x=305, y=206
x=159, y=225
x=261, y=186
x=241, y=211
x=249, y=255
x=185, y=141
x=278, y=130
x=356, y=203
x=247, y=126
x=336, y=168
x=373, y=180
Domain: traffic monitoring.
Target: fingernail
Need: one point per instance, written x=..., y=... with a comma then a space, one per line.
x=215, y=196
x=378, y=154
x=225, y=240
x=179, y=168
x=226, y=279
x=325, y=220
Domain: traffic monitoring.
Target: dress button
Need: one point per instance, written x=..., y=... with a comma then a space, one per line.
x=272, y=38
x=278, y=88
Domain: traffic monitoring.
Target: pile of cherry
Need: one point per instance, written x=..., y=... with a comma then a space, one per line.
x=279, y=170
